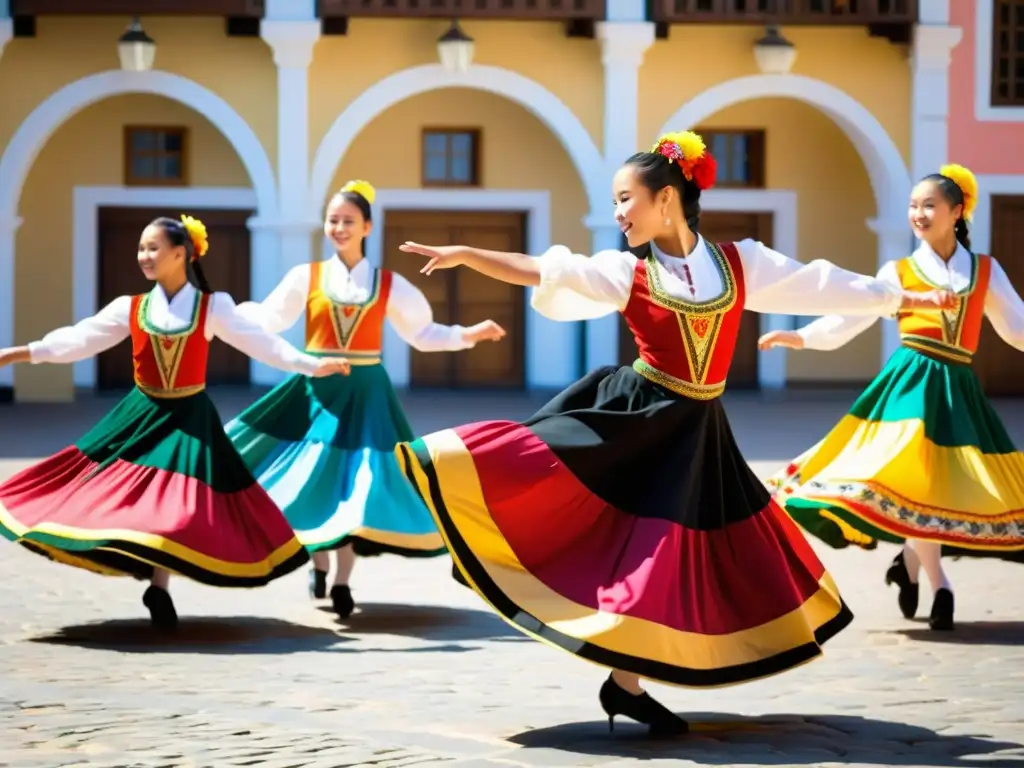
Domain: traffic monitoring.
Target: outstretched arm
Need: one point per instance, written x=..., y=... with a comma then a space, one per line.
x=283, y=306
x=777, y=284
x=1004, y=308
x=227, y=323
x=85, y=339
x=413, y=320
x=570, y=286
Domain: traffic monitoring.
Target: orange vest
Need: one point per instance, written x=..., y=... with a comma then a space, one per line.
x=953, y=334
x=337, y=327
x=169, y=363
x=687, y=346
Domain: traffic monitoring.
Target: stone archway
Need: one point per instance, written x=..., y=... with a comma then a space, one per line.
x=537, y=99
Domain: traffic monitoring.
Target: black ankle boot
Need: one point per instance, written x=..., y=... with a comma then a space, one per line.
x=909, y=592
x=162, y=614
x=341, y=599
x=941, y=618
x=659, y=720
x=317, y=584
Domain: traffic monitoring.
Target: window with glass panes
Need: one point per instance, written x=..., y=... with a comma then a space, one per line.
x=154, y=156
x=1008, y=53
x=740, y=155
x=451, y=157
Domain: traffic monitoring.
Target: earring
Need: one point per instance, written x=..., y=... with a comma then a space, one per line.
x=668, y=222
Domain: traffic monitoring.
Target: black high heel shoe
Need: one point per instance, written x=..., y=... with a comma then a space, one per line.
x=659, y=720
x=341, y=599
x=317, y=584
x=162, y=614
x=909, y=592
x=941, y=618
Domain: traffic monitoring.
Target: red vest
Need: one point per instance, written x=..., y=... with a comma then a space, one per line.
x=169, y=363
x=686, y=346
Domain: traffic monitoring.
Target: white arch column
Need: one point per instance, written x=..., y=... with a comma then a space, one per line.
x=60, y=106
x=623, y=45
x=291, y=29
x=559, y=341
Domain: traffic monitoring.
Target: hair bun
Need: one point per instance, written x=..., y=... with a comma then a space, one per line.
x=363, y=188
x=197, y=234
x=968, y=184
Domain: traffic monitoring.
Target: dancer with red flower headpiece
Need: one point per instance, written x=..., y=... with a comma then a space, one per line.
x=620, y=523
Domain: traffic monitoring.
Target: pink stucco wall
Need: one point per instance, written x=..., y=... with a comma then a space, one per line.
x=983, y=147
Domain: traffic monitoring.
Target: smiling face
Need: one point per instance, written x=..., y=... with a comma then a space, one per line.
x=345, y=226
x=932, y=215
x=638, y=211
x=158, y=257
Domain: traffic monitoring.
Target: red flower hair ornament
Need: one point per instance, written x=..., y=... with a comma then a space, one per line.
x=687, y=149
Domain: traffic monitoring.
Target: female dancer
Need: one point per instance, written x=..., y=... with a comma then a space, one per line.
x=620, y=523
x=155, y=487
x=323, y=449
x=921, y=458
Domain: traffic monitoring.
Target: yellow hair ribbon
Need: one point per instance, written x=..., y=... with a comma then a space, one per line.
x=197, y=234
x=360, y=187
x=968, y=184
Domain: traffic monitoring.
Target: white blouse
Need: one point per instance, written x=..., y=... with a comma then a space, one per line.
x=111, y=326
x=1003, y=306
x=575, y=287
x=408, y=309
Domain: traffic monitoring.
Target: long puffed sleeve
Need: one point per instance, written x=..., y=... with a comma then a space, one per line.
x=777, y=284
x=1004, y=308
x=413, y=320
x=285, y=304
x=227, y=323
x=833, y=331
x=576, y=287
x=87, y=338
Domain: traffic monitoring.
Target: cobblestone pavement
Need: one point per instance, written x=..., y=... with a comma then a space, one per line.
x=423, y=675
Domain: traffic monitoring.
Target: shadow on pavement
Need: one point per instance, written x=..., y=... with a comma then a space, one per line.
x=779, y=740
x=425, y=622
x=970, y=633
x=209, y=635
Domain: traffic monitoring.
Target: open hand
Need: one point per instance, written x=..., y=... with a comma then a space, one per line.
x=488, y=330
x=788, y=339
x=332, y=365
x=441, y=256
x=929, y=300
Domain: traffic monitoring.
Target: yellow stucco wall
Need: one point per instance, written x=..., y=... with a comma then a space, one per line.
x=88, y=150
x=518, y=152
x=344, y=67
x=808, y=153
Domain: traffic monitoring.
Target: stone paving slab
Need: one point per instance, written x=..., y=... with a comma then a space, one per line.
x=424, y=675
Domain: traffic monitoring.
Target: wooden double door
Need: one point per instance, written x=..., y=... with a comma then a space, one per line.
x=725, y=227
x=464, y=297
x=998, y=367
x=227, y=267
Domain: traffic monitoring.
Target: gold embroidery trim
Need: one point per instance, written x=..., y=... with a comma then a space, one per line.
x=938, y=349
x=722, y=303
x=699, y=347
x=677, y=385
x=171, y=393
x=346, y=325
x=168, y=350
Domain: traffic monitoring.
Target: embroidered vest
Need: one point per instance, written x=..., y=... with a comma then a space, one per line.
x=686, y=346
x=334, y=326
x=169, y=363
x=951, y=335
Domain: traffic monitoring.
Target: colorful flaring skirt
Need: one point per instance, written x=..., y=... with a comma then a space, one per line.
x=621, y=524
x=155, y=483
x=920, y=455
x=323, y=448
